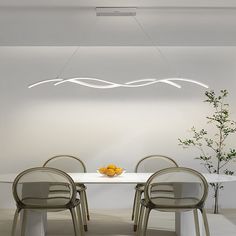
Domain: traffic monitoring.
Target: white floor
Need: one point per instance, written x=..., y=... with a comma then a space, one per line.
x=118, y=223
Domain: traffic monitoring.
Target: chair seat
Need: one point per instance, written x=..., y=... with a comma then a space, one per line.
x=52, y=202
x=62, y=189
x=159, y=187
x=168, y=202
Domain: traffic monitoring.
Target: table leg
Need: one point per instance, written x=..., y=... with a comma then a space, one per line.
x=184, y=221
x=34, y=222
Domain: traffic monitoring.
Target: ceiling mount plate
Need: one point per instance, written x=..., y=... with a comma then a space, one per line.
x=116, y=11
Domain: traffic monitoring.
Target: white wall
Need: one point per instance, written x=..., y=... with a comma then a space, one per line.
x=101, y=126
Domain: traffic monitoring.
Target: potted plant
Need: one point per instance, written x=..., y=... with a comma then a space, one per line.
x=213, y=153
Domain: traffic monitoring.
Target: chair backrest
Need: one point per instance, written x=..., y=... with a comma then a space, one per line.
x=189, y=188
x=67, y=163
x=153, y=163
x=43, y=187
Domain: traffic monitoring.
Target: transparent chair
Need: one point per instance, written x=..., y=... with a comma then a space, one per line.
x=190, y=190
x=71, y=164
x=149, y=164
x=40, y=189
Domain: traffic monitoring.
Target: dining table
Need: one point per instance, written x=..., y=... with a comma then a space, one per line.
x=184, y=222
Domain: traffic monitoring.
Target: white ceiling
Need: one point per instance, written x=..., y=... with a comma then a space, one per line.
x=119, y=3
x=183, y=24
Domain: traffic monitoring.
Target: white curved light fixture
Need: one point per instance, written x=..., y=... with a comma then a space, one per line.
x=44, y=82
x=88, y=82
x=103, y=84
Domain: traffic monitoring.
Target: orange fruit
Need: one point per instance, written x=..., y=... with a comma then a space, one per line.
x=110, y=172
x=119, y=171
x=111, y=166
x=102, y=170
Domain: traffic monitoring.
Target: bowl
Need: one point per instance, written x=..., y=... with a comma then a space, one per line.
x=104, y=171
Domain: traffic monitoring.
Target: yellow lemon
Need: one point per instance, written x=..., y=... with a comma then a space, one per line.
x=111, y=166
x=119, y=171
x=110, y=172
x=102, y=170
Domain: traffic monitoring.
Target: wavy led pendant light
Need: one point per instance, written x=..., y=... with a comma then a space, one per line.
x=103, y=84
x=88, y=82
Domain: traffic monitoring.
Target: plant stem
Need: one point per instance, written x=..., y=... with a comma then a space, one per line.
x=216, y=205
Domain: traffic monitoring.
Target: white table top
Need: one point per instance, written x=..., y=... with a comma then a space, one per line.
x=125, y=178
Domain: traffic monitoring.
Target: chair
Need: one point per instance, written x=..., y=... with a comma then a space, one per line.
x=40, y=189
x=149, y=164
x=71, y=164
x=190, y=190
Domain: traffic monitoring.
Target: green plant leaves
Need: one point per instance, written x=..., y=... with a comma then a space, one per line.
x=223, y=126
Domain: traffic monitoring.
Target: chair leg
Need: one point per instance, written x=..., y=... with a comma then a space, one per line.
x=13, y=232
x=75, y=225
x=83, y=208
x=134, y=205
x=136, y=216
x=24, y=220
x=80, y=222
x=206, y=225
x=195, y=213
x=86, y=205
x=145, y=222
x=140, y=221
